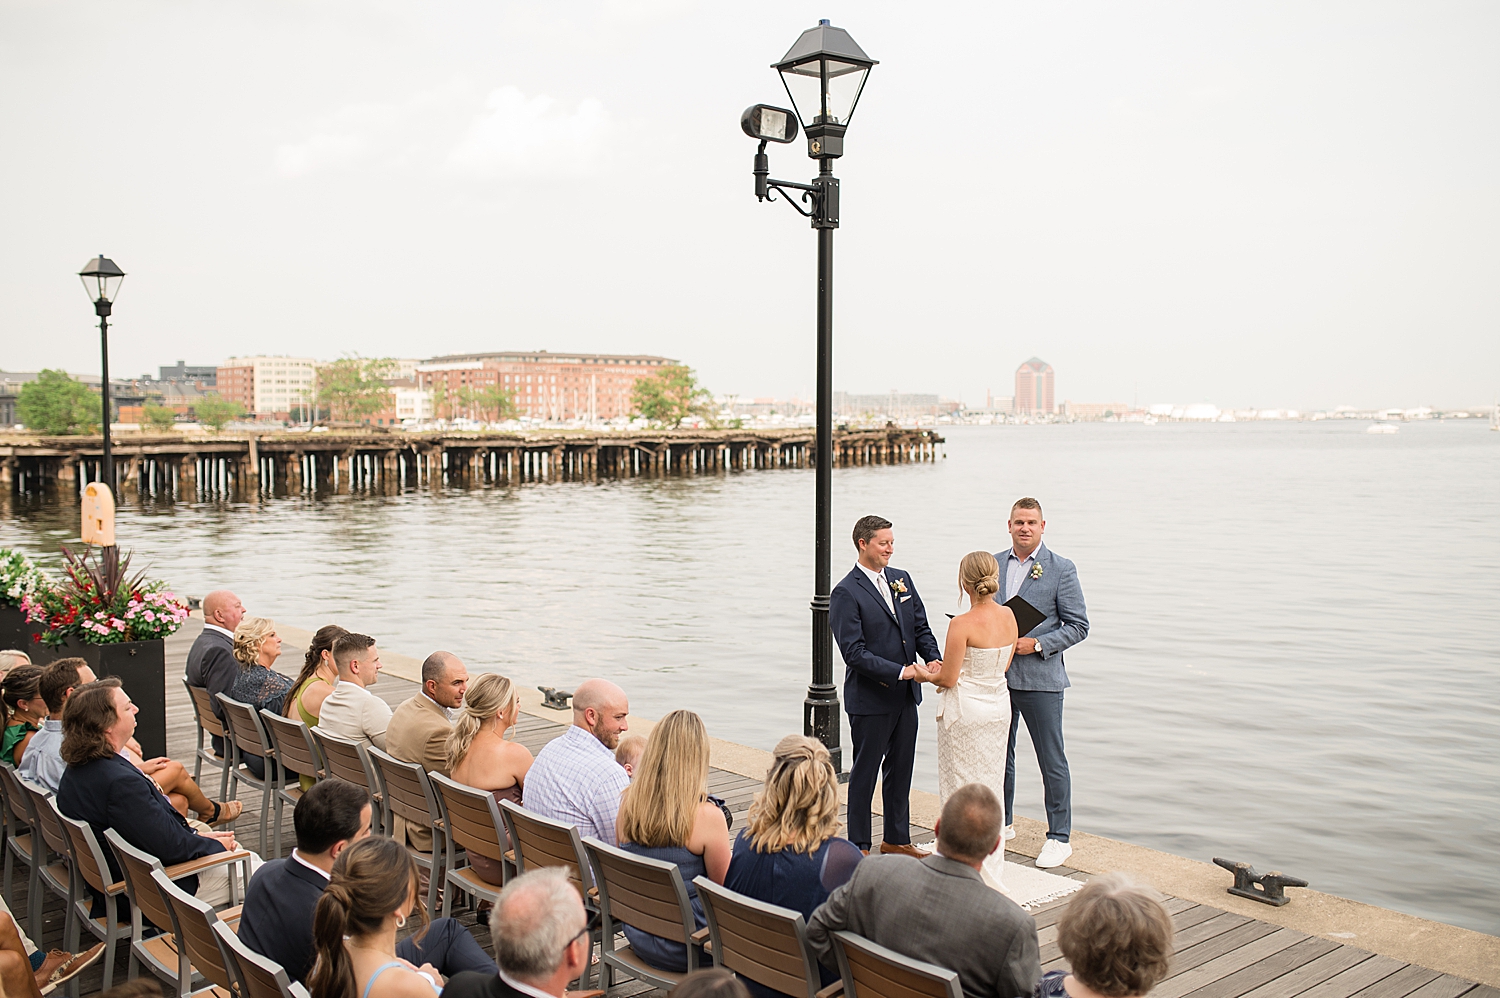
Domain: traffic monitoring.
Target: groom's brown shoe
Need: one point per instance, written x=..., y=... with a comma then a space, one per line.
x=901, y=850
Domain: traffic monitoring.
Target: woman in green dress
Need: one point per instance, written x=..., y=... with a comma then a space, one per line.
x=316, y=680
x=23, y=709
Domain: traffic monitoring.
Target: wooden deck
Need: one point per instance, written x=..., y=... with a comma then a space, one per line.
x=1219, y=954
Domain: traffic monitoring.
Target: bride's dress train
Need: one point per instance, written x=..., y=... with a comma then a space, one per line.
x=973, y=728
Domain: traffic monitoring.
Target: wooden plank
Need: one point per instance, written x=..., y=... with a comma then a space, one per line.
x=1249, y=978
x=1310, y=974
x=1228, y=960
x=1400, y=984
x=1446, y=986
x=1234, y=930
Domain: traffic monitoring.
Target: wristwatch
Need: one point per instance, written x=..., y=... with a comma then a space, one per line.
x=1036, y=647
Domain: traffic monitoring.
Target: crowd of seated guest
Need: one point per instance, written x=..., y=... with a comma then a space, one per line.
x=478, y=754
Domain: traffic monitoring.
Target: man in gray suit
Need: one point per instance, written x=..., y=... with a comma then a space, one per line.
x=1036, y=676
x=939, y=909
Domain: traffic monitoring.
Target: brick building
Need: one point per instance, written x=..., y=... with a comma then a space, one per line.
x=552, y=386
x=268, y=387
x=1034, y=387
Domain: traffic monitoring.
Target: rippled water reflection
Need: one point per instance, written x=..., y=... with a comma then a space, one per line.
x=1293, y=658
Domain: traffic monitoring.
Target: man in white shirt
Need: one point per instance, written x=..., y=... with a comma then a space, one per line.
x=575, y=778
x=541, y=936
x=351, y=711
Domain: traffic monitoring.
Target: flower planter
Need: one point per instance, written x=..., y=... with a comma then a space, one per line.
x=142, y=669
x=17, y=632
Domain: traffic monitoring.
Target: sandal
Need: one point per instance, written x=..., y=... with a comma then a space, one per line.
x=225, y=813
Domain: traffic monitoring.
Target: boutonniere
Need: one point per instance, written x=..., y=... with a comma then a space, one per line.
x=899, y=585
x=1036, y=570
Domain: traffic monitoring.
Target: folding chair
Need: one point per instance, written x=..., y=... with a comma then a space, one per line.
x=409, y=795
x=474, y=823
x=195, y=920
x=297, y=755
x=248, y=737
x=54, y=859
x=537, y=842
x=350, y=761
x=90, y=865
x=258, y=976
x=21, y=842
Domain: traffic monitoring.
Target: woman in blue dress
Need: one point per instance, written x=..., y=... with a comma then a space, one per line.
x=666, y=815
x=788, y=853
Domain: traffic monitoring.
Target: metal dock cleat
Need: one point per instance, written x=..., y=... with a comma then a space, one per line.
x=555, y=698
x=1268, y=889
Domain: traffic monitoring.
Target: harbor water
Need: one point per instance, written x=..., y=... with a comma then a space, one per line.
x=1294, y=657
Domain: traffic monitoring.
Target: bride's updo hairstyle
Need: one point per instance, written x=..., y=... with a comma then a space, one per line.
x=486, y=698
x=979, y=573
x=798, y=808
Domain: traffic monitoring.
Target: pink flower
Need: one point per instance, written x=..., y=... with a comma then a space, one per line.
x=150, y=616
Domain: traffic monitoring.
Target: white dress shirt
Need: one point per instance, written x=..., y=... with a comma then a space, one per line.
x=215, y=627
x=882, y=586
x=1016, y=568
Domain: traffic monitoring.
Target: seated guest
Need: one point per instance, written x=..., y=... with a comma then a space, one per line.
x=314, y=682
x=420, y=728
x=278, y=915
x=575, y=778
x=257, y=646
x=788, y=853
x=1117, y=938
x=210, y=662
x=26, y=970
x=715, y=982
x=478, y=755
x=351, y=711
x=628, y=753
x=666, y=815
x=102, y=788
x=10, y=658
x=23, y=710
x=982, y=935
x=371, y=891
x=44, y=762
x=541, y=938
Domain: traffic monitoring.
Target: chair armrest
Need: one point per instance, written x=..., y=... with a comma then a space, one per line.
x=833, y=990
x=701, y=938
x=193, y=866
x=592, y=993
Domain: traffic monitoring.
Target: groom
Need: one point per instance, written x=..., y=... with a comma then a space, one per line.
x=881, y=627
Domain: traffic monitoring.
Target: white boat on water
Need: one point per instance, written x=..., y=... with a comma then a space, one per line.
x=1383, y=428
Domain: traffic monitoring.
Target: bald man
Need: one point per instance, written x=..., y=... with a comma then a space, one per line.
x=210, y=662
x=419, y=729
x=575, y=778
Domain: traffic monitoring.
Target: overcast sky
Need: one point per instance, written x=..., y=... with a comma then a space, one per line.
x=1272, y=204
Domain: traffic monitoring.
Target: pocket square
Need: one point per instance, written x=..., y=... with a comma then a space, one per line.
x=905, y=598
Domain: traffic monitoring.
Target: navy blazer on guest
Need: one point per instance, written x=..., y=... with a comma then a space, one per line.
x=277, y=921
x=211, y=664
x=111, y=793
x=876, y=645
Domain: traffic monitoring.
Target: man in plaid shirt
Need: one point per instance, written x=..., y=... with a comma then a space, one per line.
x=575, y=778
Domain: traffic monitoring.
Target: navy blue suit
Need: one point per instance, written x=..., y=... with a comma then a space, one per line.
x=882, y=707
x=277, y=923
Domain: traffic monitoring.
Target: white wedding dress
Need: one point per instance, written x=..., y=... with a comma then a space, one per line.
x=973, y=728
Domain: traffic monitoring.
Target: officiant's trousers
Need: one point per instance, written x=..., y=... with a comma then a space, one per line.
x=893, y=738
x=1042, y=710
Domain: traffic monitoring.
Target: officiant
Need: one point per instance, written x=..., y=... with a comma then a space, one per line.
x=1037, y=677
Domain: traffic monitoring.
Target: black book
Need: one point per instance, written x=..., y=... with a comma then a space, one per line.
x=1027, y=616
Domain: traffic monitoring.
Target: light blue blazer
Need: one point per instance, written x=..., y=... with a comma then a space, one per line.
x=1058, y=595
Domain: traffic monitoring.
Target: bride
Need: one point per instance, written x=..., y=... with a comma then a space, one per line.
x=974, y=713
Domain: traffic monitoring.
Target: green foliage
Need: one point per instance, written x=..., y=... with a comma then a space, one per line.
x=489, y=402
x=55, y=404
x=353, y=388
x=215, y=411
x=671, y=395
x=158, y=417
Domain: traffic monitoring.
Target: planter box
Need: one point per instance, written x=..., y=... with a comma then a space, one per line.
x=17, y=632
x=140, y=665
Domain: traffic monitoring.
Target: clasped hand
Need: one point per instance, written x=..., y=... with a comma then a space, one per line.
x=922, y=673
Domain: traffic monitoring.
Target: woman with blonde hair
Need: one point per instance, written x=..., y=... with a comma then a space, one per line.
x=371, y=893
x=256, y=648
x=665, y=814
x=974, y=715
x=789, y=852
x=479, y=755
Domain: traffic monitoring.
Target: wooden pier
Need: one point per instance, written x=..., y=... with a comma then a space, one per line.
x=292, y=463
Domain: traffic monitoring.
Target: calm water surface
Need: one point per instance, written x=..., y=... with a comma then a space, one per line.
x=1293, y=661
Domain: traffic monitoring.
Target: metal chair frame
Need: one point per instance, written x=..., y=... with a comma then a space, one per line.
x=91, y=870
x=462, y=806
x=746, y=933
x=605, y=859
x=208, y=723
x=22, y=845
x=295, y=749
x=243, y=725
x=400, y=799
x=877, y=965
x=340, y=765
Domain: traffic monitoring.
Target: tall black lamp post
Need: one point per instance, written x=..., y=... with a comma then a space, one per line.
x=824, y=73
x=101, y=280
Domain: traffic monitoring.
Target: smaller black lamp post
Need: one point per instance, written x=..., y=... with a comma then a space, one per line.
x=101, y=281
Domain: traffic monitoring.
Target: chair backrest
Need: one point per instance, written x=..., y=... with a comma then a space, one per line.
x=195, y=924
x=137, y=866
x=17, y=801
x=259, y=976
x=203, y=709
x=872, y=971
x=408, y=792
x=294, y=744
x=542, y=842
x=48, y=818
x=347, y=760
x=474, y=820
x=245, y=727
x=88, y=857
x=646, y=893
x=764, y=942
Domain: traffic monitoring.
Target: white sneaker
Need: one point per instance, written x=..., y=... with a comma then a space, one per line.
x=1053, y=854
x=1009, y=833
